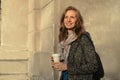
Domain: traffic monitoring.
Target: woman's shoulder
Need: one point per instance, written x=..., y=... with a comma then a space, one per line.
x=85, y=35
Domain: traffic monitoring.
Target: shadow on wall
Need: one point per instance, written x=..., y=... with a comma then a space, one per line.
x=42, y=69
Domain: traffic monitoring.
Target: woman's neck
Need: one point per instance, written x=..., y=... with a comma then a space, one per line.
x=70, y=32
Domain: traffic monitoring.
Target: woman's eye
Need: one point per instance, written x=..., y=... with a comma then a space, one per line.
x=66, y=17
x=72, y=17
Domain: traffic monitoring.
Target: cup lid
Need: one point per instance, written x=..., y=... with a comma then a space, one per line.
x=56, y=54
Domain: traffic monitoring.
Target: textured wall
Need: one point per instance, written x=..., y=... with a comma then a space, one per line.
x=11, y=17
x=13, y=49
x=41, y=61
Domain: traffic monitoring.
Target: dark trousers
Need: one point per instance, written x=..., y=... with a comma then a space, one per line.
x=63, y=75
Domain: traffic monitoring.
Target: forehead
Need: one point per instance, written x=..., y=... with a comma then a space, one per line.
x=71, y=12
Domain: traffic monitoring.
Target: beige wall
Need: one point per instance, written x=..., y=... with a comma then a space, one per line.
x=11, y=17
x=44, y=41
x=13, y=49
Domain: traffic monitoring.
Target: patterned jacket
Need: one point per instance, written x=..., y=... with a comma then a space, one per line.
x=81, y=60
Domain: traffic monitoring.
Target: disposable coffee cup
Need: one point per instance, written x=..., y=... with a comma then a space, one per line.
x=56, y=57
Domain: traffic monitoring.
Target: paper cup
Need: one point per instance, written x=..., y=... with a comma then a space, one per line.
x=56, y=57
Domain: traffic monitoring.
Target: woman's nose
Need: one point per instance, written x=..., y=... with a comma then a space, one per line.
x=68, y=19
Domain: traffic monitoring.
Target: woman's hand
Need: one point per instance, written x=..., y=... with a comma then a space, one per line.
x=59, y=66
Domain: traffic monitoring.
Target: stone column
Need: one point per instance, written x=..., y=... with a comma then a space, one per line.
x=13, y=49
x=33, y=35
x=42, y=67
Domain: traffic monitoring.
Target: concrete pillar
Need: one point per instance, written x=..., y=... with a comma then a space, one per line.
x=41, y=61
x=13, y=49
x=14, y=20
x=33, y=34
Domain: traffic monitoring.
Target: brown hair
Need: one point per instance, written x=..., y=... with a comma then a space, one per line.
x=79, y=26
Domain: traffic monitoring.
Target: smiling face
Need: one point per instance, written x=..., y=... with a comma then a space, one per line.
x=70, y=19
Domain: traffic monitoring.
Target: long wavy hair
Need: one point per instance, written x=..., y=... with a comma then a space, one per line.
x=79, y=25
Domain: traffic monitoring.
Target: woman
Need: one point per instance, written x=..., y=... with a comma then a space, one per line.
x=78, y=57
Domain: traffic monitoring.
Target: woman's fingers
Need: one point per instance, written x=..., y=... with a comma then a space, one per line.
x=60, y=66
x=51, y=58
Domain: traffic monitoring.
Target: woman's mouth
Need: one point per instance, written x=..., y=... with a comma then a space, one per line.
x=68, y=24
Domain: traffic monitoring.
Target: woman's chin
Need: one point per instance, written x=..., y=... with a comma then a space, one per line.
x=70, y=28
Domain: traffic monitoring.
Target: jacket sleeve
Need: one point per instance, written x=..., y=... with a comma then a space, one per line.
x=88, y=65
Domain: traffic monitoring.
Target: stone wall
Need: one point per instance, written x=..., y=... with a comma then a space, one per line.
x=13, y=49
x=44, y=45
